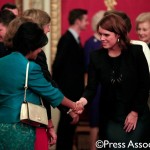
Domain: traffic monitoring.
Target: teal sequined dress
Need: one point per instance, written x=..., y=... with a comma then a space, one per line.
x=16, y=136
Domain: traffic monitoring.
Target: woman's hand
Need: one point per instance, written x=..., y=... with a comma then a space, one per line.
x=51, y=135
x=82, y=102
x=130, y=121
x=79, y=106
x=75, y=117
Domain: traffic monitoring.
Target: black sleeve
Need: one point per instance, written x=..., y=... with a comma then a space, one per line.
x=143, y=75
x=42, y=61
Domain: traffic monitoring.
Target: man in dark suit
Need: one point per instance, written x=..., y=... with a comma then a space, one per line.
x=68, y=72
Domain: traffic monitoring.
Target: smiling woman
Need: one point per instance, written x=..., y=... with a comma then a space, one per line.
x=122, y=71
x=143, y=27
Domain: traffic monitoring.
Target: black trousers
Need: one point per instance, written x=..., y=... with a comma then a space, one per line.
x=65, y=133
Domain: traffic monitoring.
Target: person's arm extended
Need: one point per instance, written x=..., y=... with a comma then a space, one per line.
x=76, y=107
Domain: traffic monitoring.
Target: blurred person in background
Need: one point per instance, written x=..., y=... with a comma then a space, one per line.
x=43, y=19
x=11, y=7
x=6, y=17
x=143, y=27
x=143, y=31
x=68, y=71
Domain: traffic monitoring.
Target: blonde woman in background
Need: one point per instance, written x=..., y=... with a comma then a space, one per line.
x=143, y=31
x=43, y=19
x=143, y=27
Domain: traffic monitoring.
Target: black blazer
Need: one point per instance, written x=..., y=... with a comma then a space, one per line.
x=68, y=67
x=42, y=61
x=131, y=92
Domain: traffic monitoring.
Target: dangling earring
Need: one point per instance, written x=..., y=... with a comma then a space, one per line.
x=118, y=40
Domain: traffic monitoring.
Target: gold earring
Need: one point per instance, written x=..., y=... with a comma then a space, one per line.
x=118, y=40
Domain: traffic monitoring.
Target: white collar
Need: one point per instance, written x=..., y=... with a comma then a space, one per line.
x=75, y=34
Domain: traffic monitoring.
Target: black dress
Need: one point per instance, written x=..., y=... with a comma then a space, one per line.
x=125, y=84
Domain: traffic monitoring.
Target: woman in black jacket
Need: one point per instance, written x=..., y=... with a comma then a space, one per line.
x=122, y=71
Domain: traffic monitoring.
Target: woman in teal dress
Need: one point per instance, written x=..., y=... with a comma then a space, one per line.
x=27, y=42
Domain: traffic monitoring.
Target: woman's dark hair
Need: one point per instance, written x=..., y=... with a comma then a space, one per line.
x=116, y=24
x=28, y=38
x=123, y=15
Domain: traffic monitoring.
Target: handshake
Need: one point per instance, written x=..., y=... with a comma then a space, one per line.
x=77, y=110
x=79, y=106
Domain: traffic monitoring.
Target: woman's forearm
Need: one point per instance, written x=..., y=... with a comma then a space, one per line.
x=68, y=103
x=77, y=107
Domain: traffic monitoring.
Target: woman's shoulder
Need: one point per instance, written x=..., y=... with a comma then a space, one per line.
x=136, y=51
x=33, y=66
x=135, y=48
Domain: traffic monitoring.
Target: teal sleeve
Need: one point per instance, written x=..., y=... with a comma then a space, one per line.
x=38, y=84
